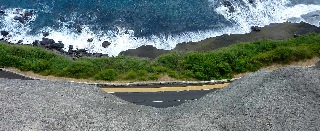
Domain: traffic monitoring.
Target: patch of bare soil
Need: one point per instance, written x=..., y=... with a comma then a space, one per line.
x=161, y=89
x=304, y=63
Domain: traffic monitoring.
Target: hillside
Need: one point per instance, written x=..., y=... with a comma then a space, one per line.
x=283, y=99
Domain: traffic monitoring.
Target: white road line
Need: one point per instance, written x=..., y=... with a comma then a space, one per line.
x=157, y=101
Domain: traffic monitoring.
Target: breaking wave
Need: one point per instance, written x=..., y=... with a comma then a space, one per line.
x=129, y=24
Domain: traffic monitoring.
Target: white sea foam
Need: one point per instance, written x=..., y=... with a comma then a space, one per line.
x=265, y=12
x=259, y=14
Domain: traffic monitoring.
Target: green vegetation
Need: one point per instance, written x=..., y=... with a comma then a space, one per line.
x=216, y=64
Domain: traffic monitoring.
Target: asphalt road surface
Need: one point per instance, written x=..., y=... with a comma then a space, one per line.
x=154, y=99
x=162, y=99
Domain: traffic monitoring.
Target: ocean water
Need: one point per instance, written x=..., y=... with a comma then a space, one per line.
x=128, y=24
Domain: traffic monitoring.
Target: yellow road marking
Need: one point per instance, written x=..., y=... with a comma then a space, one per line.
x=204, y=87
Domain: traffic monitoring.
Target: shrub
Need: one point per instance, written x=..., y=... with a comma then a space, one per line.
x=35, y=65
x=108, y=74
x=169, y=60
x=160, y=69
x=79, y=69
x=131, y=75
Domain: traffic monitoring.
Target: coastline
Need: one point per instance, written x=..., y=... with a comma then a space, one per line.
x=274, y=31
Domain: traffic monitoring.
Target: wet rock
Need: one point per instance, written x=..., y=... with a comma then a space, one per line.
x=28, y=13
x=251, y=1
x=79, y=28
x=20, y=19
x=56, y=46
x=255, y=28
x=45, y=34
x=23, y=17
x=4, y=33
x=90, y=40
x=231, y=9
x=20, y=42
x=97, y=54
x=36, y=43
x=80, y=53
x=47, y=41
x=2, y=12
x=70, y=48
x=105, y=44
x=227, y=3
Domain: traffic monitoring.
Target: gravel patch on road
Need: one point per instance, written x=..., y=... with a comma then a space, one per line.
x=283, y=99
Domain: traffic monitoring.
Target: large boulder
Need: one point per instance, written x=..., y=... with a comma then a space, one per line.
x=255, y=28
x=105, y=44
x=23, y=17
x=57, y=46
x=45, y=34
x=90, y=40
x=4, y=33
x=47, y=41
x=36, y=43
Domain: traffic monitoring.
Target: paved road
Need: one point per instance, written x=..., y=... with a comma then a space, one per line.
x=9, y=75
x=155, y=99
x=162, y=99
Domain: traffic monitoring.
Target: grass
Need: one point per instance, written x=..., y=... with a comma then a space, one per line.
x=217, y=64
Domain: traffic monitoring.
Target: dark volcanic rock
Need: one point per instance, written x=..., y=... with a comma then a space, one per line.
x=105, y=44
x=70, y=48
x=251, y=1
x=51, y=44
x=36, y=43
x=47, y=41
x=20, y=42
x=227, y=3
x=90, y=40
x=23, y=17
x=255, y=28
x=284, y=99
x=20, y=19
x=4, y=33
x=147, y=51
x=45, y=34
x=78, y=28
x=2, y=12
x=28, y=14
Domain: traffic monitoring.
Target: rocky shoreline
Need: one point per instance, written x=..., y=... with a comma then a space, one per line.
x=275, y=31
